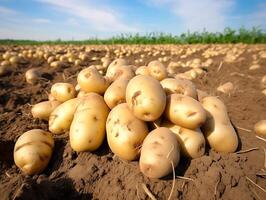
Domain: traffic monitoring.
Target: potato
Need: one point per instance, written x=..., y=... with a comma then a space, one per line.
x=124, y=72
x=87, y=130
x=143, y=70
x=184, y=111
x=160, y=150
x=218, y=129
x=125, y=132
x=263, y=81
x=179, y=86
x=157, y=70
x=43, y=109
x=201, y=94
x=4, y=70
x=61, y=118
x=90, y=80
x=114, y=66
x=33, y=75
x=192, y=142
x=33, y=150
x=63, y=91
x=116, y=93
x=226, y=88
x=145, y=97
x=260, y=128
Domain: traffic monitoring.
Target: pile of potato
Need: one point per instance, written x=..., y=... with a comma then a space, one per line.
x=144, y=113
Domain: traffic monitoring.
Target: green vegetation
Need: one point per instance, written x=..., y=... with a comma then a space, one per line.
x=252, y=36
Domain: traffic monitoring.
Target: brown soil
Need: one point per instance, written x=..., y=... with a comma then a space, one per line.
x=101, y=175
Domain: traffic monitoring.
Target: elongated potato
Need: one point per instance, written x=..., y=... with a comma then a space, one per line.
x=179, y=86
x=159, y=151
x=63, y=91
x=218, y=129
x=184, y=111
x=90, y=80
x=61, y=118
x=260, y=128
x=43, y=109
x=125, y=132
x=116, y=93
x=87, y=130
x=33, y=150
x=145, y=97
x=192, y=142
x=157, y=70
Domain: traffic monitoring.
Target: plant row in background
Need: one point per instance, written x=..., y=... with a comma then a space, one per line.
x=243, y=35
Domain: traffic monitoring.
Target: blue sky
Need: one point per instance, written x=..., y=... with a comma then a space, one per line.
x=81, y=19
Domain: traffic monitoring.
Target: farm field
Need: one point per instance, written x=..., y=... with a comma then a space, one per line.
x=101, y=174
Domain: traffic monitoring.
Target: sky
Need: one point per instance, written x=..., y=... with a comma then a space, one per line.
x=83, y=19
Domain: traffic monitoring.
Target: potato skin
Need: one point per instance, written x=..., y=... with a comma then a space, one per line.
x=159, y=149
x=61, y=118
x=116, y=93
x=145, y=97
x=218, y=129
x=125, y=132
x=33, y=150
x=142, y=70
x=43, y=109
x=114, y=66
x=63, y=91
x=179, y=86
x=192, y=142
x=87, y=130
x=260, y=128
x=157, y=70
x=90, y=80
x=184, y=111
x=121, y=72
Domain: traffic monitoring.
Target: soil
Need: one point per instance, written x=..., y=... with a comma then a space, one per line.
x=101, y=175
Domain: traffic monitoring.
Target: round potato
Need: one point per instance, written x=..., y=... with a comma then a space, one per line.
x=90, y=80
x=43, y=109
x=157, y=70
x=112, y=68
x=116, y=93
x=143, y=70
x=63, y=91
x=260, y=128
x=179, y=86
x=145, y=97
x=120, y=72
x=218, y=129
x=125, y=132
x=192, y=142
x=33, y=150
x=184, y=111
x=87, y=130
x=61, y=118
x=33, y=76
x=159, y=153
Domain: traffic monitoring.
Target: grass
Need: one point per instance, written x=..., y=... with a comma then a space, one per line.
x=247, y=36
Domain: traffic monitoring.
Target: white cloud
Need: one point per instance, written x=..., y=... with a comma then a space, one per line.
x=7, y=11
x=41, y=20
x=198, y=14
x=100, y=17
